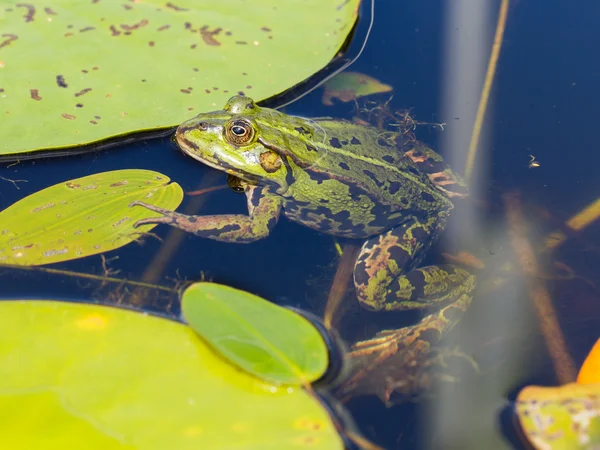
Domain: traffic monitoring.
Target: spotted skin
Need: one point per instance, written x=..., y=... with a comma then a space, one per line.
x=339, y=178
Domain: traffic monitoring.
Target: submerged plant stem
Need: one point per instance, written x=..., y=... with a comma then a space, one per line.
x=88, y=276
x=549, y=324
x=487, y=85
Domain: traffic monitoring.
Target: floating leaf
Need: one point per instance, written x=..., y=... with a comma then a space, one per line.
x=85, y=71
x=97, y=377
x=82, y=217
x=348, y=86
x=264, y=339
x=561, y=418
x=590, y=370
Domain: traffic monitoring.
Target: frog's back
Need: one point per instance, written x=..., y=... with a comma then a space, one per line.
x=378, y=162
x=358, y=183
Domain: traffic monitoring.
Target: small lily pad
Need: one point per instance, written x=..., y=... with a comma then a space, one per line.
x=82, y=217
x=97, y=377
x=561, y=418
x=264, y=339
x=348, y=86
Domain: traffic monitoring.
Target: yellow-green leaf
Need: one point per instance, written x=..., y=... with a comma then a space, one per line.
x=269, y=341
x=561, y=418
x=348, y=86
x=95, y=377
x=82, y=217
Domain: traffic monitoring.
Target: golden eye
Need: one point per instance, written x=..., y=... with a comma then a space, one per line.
x=239, y=132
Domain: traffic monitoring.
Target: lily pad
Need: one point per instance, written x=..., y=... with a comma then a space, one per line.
x=96, y=377
x=82, y=217
x=348, y=86
x=266, y=340
x=73, y=73
x=561, y=418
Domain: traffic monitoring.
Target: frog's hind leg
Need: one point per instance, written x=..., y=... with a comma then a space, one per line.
x=440, y=173
x=386, y=279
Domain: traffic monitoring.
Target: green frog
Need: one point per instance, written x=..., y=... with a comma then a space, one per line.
x=340, y=178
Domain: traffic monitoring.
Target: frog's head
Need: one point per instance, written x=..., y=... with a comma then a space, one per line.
x=252, y=143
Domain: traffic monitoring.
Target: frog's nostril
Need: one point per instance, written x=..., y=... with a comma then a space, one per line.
x=203, y=126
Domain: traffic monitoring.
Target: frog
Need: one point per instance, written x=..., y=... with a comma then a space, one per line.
x=337, y=177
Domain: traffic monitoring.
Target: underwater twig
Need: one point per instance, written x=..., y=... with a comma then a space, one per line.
x=343, y=275
x=14, y=182
x=549, y=325
x=88, y=276
x=487, y=85
x=576, y=223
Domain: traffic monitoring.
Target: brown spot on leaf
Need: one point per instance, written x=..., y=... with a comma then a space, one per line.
x=119, y=183
x=151, y=43
x=79, y=105
x=265, y=29
x=175, y=7
x=68, y=116
x=135, y=26
x=49, y=11
x=208, y=91
x=9, y=38
x=83, y=30
x=81, y=92
x=29, y=15
x=241, y=42
x=60, y=81
x=93, y=122
x=35, y=94
x=164, y=27
x=185, y=91
x=41, y=208
x=209, y=36
x=114, y=31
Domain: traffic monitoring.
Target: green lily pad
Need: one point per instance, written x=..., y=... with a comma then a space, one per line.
x=348, y=86
x=96, y=377
x=561, y=418
x=74, y=72
x=264, y=339
x=82, y=217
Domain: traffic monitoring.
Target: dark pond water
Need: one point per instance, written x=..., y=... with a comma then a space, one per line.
x=545, y=102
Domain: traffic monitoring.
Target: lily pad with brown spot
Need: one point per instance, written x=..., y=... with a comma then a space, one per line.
x=561, y=418
x=82, y=217
x=75, y=73
x=348, y=86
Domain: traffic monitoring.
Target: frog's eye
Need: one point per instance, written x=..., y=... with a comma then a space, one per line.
x=239, y=132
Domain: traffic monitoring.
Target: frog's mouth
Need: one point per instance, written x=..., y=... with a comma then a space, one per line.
x=188, y=148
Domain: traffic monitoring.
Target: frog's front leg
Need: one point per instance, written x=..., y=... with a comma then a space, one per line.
x=264, y=209
x=386, y=277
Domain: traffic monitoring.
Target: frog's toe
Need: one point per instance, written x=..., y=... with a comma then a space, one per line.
x=149, y=206
x=153, y=221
